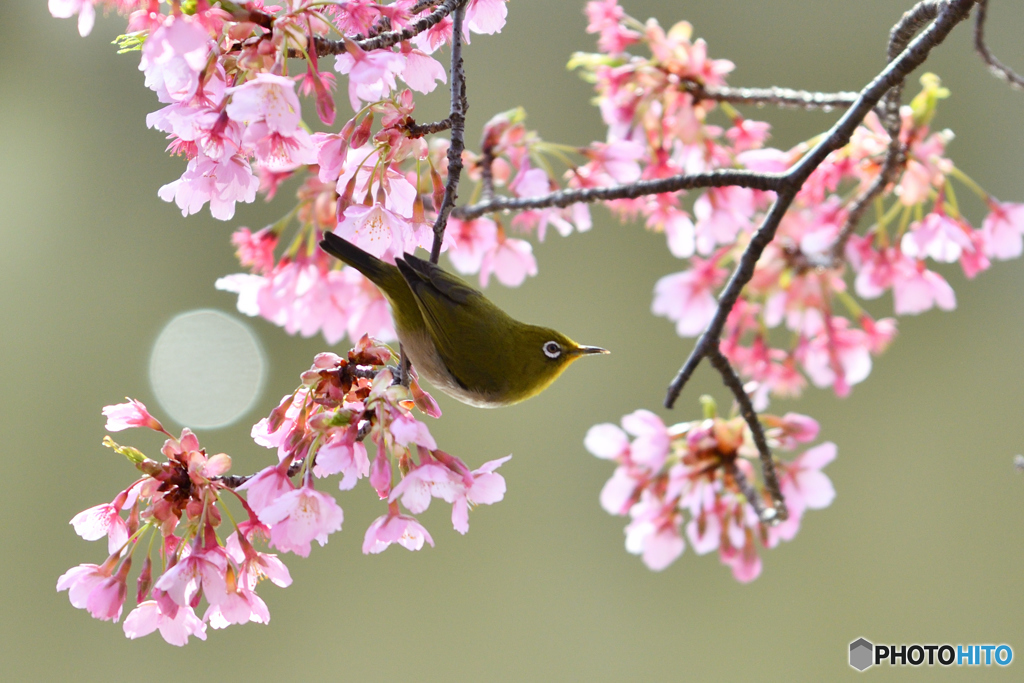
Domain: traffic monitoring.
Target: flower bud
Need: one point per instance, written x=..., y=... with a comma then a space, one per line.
x=145, y=581
x=361, y=134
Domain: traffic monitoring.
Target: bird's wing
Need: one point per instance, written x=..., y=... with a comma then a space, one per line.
x=442, y=283
x=452, y=308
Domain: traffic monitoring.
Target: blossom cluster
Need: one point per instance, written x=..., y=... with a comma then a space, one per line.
x=318, y=431
x=233, y=111
x=796, y=314
x=693, y=475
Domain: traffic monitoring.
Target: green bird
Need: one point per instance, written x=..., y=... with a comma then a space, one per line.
x=456, y=338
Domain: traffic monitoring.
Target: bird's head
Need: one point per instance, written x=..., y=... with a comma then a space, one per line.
x=541, y=355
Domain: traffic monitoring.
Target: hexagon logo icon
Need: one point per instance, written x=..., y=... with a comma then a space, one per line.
x=861, y=654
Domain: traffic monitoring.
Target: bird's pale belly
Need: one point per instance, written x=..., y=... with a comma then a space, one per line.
x=431, y=367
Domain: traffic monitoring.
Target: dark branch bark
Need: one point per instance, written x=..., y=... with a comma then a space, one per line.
x=731, y=380
x=563, y=198
x=384, y=39
x=994, y=65
x=902, y=33
x=389, y=38
x=779, y=97
x=457, y=119
x=418, y=130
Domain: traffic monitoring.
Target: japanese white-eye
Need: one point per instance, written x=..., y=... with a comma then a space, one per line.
x=456, y=338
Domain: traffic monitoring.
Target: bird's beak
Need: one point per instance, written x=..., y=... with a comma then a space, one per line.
x=587, y=350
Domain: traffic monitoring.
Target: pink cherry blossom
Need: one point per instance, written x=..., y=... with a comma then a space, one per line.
x=380, y=473
x=80, y=582
x=487, y=488
x=804, y=487
x=267, y=487
x=240, y=606
x=937, y=236
x=650, y=447
x=371, y=75
x=369, y=312
x=409, y=431
x=306, y=298
x=395, y=528
x=255, y=250
x=267, y=98
x=680, y=233
x=620, y=491
x=975, y=260
x=279, y=152
x=99, y=521
x=127, y=415
x=619, y=159
x=298, y=517
x=1003, y=229
x=419, y=485
x=254, y=565
x=107, y=598
x=747, y=134
x=916, y=289
x=687, y=298
x=219, y=182
x=341, y=453
x=174, y=628
x=484, y=16
x=654, y=533
x=607, y=441
x=173, y=57
x=605, y=17
x=839, y=357
x=473, y=240
x=511, y=261
x=721, y=214
x=199, y=571
x=377, y=230
x=422, y=72
x=65, y=9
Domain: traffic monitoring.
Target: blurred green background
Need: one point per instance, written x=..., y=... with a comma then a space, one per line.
x=923, y=543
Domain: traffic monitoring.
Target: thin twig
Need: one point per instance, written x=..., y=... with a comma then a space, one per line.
x=900, y=36
x=733, y=382
x=775, y=96
x=749, y=492
x=325, y=47
x=563, y=198
x=457, y=118
x=994, y=65
x=418, y=130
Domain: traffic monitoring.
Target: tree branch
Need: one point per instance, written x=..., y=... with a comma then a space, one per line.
x=779, y=97
x=731, y=380
x=995, y=66
x=386, y=39
x=457, y=120
x=917, y=51
x=900, y=36
x=418, y=130
x=563, y=198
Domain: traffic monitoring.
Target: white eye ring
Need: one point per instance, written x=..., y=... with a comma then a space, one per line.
x=552, y=349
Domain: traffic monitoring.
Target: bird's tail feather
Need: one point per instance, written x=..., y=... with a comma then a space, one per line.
x=367, y=264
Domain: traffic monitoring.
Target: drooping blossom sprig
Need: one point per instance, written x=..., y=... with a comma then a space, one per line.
x=695, y=481
x=176, y=521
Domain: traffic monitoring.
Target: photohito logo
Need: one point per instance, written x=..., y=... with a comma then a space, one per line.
x=864, y=654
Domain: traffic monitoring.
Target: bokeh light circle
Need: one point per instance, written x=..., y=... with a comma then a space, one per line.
x=207, y=369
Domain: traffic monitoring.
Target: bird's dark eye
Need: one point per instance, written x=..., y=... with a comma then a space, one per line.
x=552, y=349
